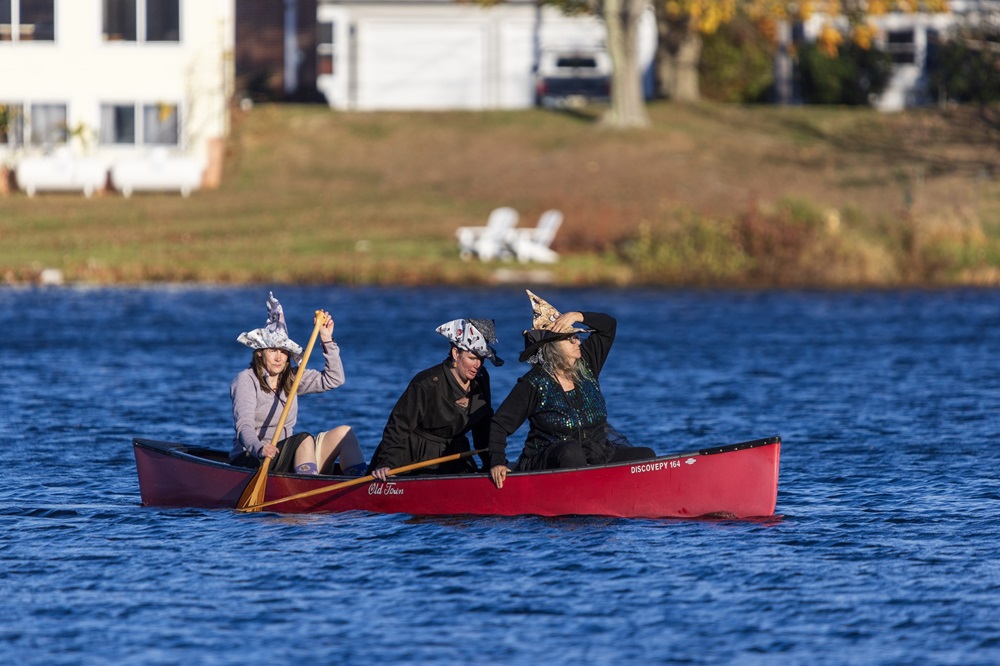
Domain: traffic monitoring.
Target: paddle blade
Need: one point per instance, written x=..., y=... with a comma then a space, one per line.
x=253, y=494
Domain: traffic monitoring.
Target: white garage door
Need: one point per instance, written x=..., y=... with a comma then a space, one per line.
x=421, y=66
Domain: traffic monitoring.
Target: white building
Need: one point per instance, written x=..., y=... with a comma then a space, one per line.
x=905, y=37
x=442, y=54
x=111, y=82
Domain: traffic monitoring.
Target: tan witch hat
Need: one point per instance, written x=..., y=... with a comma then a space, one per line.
x=542, y=333
x=543, y=314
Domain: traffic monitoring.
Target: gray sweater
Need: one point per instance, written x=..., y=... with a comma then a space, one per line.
x=256, y=412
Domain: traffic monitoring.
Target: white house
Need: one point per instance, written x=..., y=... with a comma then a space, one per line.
x=906, y=36
x=136, y=88
x=442, y=54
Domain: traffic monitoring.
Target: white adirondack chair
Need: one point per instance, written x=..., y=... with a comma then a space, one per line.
x=489, y=242
x=62, y=171
x=534, y=244
x=158, y=171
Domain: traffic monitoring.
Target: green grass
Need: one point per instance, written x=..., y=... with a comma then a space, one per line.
x=710, y=194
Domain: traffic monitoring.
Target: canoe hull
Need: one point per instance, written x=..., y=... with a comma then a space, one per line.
x=739, y=480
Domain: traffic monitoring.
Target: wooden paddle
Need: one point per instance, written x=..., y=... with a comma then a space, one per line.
x=254, y=492
x=360, y=480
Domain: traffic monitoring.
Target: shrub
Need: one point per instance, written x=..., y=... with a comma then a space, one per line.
x=962, y=73
x=737, y=64
x=684, y=249
x=774, y=243
x=851, y=78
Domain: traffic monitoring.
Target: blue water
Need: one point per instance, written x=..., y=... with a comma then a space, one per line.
x=884, y=550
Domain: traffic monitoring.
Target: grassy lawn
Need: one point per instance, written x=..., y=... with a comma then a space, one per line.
x=711, y=194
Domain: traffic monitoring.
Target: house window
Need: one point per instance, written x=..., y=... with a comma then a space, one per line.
x=27, y=20
x=141, y=20
x=324, y=48
x=163, y=21
x=117, y=124
x=11, y=125
x=160, y=124
x=901, y=46
x=48, y=124
x=119, y=20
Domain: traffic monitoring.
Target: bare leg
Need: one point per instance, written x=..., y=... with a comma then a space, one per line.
x=306, y=453
x=342, y=442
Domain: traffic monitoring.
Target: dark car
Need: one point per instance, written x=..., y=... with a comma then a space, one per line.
x=572, y=78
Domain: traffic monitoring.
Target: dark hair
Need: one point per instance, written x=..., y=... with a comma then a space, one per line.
x=285, y=379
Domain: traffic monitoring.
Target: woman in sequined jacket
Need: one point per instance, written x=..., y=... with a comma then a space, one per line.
x=561, y=399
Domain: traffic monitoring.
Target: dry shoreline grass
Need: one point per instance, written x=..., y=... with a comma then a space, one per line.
x=710, y=195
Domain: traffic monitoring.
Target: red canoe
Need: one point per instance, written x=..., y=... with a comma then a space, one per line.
x=738, y=480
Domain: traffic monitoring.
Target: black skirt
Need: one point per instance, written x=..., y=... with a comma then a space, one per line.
x=283, y=462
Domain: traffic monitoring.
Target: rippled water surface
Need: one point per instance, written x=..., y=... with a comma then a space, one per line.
x=885, y=549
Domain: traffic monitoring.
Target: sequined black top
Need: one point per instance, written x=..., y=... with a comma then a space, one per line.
x=555, y=415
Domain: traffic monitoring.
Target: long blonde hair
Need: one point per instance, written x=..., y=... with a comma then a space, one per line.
x=553, y=359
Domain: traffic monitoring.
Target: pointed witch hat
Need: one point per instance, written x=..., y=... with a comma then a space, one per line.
x=542, y=333
x=472, y=335
x=543, y=314
x=275, y=334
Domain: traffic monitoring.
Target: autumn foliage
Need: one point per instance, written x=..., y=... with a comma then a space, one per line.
x=706, y=16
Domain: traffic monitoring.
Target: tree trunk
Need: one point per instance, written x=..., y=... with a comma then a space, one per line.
x=678, y=53
x=783, y=64
x=628, y=107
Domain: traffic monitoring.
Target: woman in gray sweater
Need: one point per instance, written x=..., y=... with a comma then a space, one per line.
x=259, y=394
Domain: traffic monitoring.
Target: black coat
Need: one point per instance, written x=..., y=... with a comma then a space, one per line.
x=427, y=423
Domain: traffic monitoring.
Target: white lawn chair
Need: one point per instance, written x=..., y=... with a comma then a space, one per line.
x=157, y=172
x=534, y=244
x=488, y=242
x=62, y=171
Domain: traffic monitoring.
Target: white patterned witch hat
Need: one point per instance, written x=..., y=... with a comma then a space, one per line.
x=275, y=334
x=472, y=335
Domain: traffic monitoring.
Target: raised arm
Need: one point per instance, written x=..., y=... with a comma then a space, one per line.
x=332, y=376
x=597, y=346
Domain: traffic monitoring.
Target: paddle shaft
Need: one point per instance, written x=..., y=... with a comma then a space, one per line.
x=363, y=479
x=254, y=492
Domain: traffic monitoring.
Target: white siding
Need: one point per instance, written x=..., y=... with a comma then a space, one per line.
x=421, y=65
x=83, y=71
x=447, y=55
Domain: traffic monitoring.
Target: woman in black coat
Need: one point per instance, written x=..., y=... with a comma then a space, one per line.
x=442, y=404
